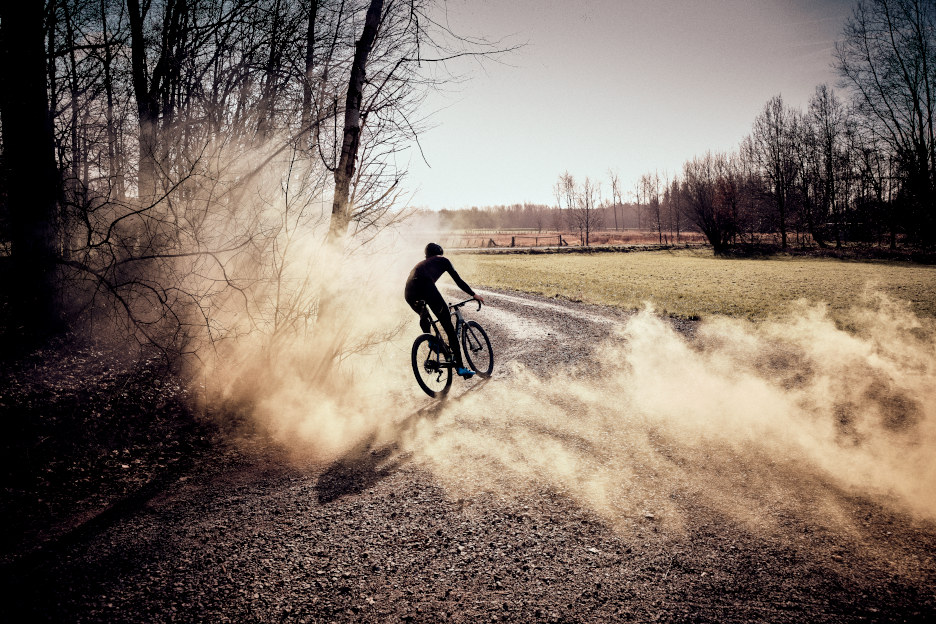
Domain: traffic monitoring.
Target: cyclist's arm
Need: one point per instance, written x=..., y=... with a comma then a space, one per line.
x=459, y=281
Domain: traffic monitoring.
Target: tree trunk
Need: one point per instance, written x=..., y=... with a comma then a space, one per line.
x=33, y=183
x=73, y=177
x=781, y=209
x=309, y=78
x=114, y=169
x=269, y=89
x=147, y=103
x=341, y=208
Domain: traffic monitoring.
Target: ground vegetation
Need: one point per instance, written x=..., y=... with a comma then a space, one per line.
x=690, y=283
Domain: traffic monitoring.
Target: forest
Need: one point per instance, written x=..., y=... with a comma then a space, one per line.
x=160, y=158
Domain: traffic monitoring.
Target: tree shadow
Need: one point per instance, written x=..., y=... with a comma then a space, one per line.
x=366, y=465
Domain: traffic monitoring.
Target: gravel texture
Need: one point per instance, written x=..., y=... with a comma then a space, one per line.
x=247, y=535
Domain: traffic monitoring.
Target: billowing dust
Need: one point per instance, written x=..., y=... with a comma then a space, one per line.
x=789, y=416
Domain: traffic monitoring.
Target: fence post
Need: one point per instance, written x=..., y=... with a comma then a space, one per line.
x=513, y=241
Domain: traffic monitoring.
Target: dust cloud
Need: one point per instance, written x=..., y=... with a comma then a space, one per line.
x=320, y=383
x=291, y=333
x=755, y=420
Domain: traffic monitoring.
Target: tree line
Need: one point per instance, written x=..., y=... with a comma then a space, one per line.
x=858, y=168
x=160, y=158
x=540, y=217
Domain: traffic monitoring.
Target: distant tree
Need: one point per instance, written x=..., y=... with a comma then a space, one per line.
x=728, y=189
x=828, y=119
x=806, y=192
x=673, y=199
x=773, y=147
x=638, y=201
x=565, y=193
x=756, y=218
x=585, y=213
x=615, y=195
x=710, y=198
x=650, y=185
x=536, y=215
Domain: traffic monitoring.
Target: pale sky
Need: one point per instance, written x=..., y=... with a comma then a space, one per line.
x=635, y=86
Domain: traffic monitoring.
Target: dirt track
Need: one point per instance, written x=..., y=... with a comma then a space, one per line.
x=379, y=536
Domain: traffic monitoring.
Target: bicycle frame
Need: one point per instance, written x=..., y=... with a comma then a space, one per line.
x=432, y=355
x=455, y=309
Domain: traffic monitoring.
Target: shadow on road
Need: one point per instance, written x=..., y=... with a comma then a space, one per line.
x=435, y=409
x=366, y=465
x=357, y=470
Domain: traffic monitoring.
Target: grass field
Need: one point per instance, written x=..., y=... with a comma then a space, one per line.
x=693, y=283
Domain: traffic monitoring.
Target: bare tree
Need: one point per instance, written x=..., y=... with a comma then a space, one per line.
x=585, y=213
x=565, y=193
x=639, y=198
x=344, y=173
x=650, y=185
x=710, y=196
x=827, y=121
x=557, y=193
x=773, y=140
x=308, y=77
x=887, y=58
x=673, y=200
x=615, y=195
x=402, y=52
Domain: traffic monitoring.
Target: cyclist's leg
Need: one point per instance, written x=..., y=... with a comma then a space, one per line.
x=416, y=298
x=435, y=301
x=424, y=323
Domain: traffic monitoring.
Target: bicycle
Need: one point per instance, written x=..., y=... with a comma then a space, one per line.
x=433, y=360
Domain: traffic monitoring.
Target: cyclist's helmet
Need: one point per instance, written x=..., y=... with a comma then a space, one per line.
x=433, y=249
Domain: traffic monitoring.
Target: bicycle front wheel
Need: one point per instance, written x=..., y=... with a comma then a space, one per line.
x=477, y=349
x=432, y=370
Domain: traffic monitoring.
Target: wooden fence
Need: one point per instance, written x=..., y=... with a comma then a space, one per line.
x=487, y=239
x=498, y=239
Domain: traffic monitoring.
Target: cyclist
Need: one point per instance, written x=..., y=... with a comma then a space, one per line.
x=420, y=286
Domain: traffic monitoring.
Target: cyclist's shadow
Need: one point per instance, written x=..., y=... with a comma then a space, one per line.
x=365, y=465
x=357, y=470
x=438, y=407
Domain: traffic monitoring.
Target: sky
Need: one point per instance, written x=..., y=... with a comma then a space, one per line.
x=630, y=86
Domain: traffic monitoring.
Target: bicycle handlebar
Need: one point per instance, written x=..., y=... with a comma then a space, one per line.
x=460, y=304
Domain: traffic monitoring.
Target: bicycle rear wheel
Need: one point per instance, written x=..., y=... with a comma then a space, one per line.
x=433, y=372
x=477, y=349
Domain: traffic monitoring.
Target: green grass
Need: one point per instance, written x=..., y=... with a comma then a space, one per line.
x=693, y=283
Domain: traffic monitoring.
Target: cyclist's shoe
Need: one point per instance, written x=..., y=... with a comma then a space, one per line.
x=467, y=373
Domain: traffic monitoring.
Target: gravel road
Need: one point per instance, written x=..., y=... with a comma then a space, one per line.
x=434, y=526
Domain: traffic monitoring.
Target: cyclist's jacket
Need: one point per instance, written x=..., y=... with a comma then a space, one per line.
x=427, y=272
